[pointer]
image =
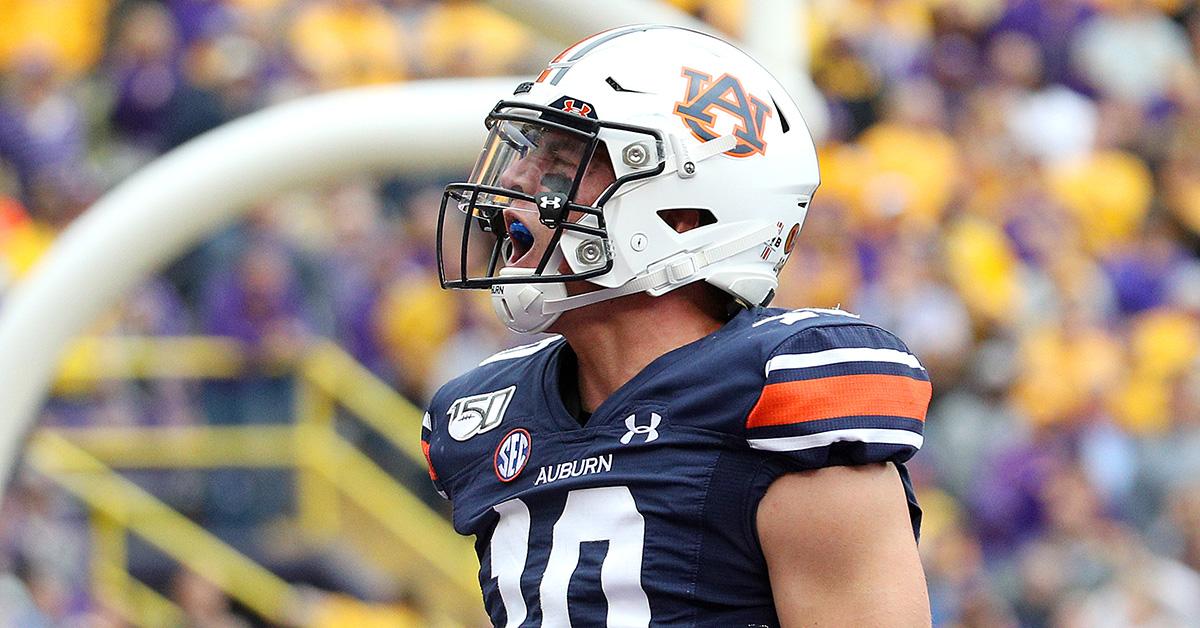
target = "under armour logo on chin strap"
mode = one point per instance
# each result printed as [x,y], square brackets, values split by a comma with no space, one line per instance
[546,202]
[650,431]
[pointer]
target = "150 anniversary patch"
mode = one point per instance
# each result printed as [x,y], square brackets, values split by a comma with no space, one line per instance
[477,414]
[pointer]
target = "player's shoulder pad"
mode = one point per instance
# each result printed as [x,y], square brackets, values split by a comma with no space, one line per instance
[477,402]
[837,390]
[783,332]
[501,369]
[771,326]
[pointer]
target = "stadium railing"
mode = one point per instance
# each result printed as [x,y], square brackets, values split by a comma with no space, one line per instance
[331,475]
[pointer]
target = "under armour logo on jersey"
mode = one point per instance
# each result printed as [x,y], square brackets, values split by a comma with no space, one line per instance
[649,431]
[706,97]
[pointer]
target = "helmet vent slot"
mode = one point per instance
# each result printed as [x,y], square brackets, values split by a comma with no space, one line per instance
[612,82]
[704,217]
[782,120]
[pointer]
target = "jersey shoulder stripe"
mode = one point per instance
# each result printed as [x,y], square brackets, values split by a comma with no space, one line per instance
[803,317]
[840,396]
[840,423]
[521,351]
[882,436]
[426,433]
[789,361]
[841,382]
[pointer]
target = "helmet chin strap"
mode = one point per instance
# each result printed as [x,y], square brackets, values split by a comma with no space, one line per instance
[521,307]
[531,308]
[684,156]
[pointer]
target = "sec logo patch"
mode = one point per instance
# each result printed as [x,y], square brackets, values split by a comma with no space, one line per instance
[512,454]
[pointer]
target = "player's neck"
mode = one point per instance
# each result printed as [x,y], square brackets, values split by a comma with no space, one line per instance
[615,340]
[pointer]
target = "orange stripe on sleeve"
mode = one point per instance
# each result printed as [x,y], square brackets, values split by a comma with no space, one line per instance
[785,403]
[425,448]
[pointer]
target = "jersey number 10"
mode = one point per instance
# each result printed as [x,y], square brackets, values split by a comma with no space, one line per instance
[590,514]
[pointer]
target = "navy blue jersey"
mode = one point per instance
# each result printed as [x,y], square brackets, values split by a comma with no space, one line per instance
[645,515]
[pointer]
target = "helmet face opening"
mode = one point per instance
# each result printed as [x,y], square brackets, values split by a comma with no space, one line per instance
[542,172]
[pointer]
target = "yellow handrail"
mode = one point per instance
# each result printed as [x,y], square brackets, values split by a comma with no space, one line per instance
[317,501]
[185,447]
[129,505]
[325,364]
[357,389]
[140,357]
[373,490]
[112,584]
[343,467]
[326,465]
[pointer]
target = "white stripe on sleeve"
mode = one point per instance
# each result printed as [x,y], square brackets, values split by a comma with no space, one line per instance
[840,356]
[521,351]
[866,435]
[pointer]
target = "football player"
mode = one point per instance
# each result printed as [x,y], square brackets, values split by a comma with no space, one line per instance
[676,454]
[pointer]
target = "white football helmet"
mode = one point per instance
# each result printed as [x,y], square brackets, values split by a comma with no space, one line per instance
[580,164]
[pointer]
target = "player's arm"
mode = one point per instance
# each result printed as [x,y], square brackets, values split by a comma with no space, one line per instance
[840,549]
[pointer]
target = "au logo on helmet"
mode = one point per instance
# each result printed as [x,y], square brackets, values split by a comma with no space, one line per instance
[706,98]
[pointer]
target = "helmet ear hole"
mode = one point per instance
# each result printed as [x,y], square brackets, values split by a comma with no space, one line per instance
[686,219]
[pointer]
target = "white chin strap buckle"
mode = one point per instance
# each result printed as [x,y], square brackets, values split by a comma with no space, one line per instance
[521,306]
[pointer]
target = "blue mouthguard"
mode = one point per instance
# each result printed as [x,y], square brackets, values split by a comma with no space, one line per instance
[520,234]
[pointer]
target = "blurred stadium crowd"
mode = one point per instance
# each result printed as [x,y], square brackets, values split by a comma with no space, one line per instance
[1011,186]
